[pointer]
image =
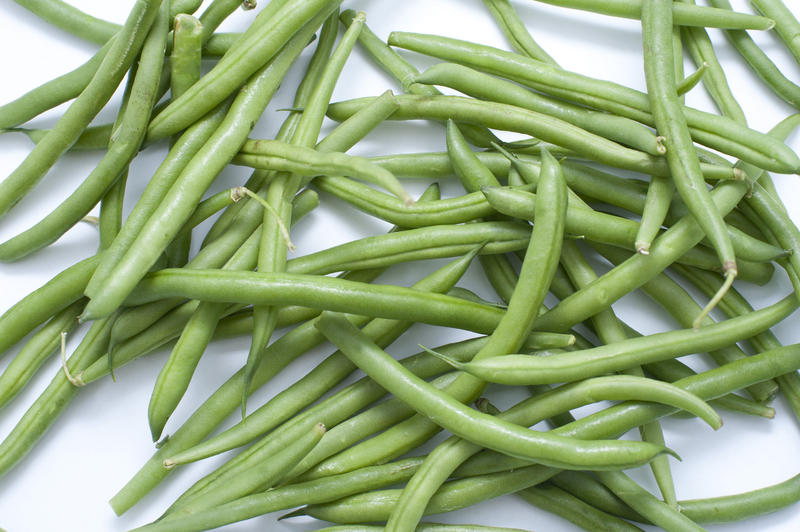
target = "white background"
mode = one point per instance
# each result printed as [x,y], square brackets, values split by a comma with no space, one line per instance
[103,437]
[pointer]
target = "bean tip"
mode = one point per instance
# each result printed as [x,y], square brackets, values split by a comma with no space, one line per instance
[642,247]
[168,464]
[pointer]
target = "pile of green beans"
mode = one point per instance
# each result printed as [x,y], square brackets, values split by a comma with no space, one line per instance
[568,257]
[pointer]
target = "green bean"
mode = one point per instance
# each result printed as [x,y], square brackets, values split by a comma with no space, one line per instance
[450,413]
[683,15]
[681,306]
[658,512]
[786,24]
[38,306]
[400,69]
[610,229]
[52,93]
[72,20]
[234,68]
[453,452]
[742,505]
[690,81]
[48,406]
[36,351]
[360,426]
[702,51]
[673,370]
[733,304]
[414,244]
[125,143]
[574,510]
[512,118]
[514,30]
[616,420]
[220,404]
[486,87]
[134,321]
[289,496]
[586,487]
[519,369]
[760,63]
[110,72]
[185,59]
[359,395]
[447,211]
[355,128]
[185,70]
[424,527]
[654,211]
[264,476]
[184,194]
[671,123]
[111,206]
[280,156]
[174,378]
[454,495]
[538,268]
[711,130]
[273,242]
[335,368]
[92,138]
[609,329]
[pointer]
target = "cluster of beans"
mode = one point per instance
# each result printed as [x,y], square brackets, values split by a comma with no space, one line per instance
[555,195]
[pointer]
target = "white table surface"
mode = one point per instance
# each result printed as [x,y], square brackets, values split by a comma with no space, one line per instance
[102,438]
